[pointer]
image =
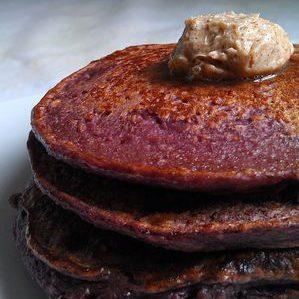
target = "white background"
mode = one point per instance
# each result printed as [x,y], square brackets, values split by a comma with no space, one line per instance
[43,41]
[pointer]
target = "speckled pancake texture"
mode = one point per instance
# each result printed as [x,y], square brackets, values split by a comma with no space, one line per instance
[180,220]
[79,261]
[125,116]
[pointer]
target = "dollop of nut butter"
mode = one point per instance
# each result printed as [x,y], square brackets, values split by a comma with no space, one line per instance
[229,46]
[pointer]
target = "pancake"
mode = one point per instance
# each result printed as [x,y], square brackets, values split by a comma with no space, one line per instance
[124,116]
[79,257]
[170,218]
[61,286]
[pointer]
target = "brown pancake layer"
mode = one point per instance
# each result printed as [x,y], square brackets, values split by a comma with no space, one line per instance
[61,286]
[125,116]
[170,218]
[76,249]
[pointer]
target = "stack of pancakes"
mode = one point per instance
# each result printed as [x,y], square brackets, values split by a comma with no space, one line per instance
[149,186]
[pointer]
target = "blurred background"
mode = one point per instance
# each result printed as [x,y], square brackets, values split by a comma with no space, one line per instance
[43,41]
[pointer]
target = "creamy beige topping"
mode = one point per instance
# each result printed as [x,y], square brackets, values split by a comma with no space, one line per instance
[230,45]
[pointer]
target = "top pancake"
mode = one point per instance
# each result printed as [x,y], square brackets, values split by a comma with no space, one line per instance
[125,116]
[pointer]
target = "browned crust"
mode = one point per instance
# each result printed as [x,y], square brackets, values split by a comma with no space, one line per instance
[57,285]
[123,116]
[81,251]
[178,220]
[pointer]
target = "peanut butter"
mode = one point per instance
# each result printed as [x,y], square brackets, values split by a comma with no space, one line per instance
[230,45]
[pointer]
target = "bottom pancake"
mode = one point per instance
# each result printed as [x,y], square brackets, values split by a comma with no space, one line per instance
[61,286]
[72,259]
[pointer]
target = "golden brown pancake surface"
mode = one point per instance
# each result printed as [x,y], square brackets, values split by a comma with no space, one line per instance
[125,116]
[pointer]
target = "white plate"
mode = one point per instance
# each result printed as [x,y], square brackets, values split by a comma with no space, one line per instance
[15,282]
